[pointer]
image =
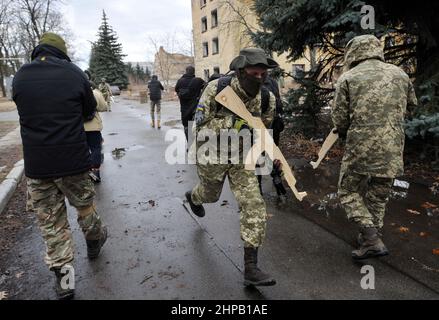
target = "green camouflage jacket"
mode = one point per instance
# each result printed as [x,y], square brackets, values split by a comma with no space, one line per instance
[217,119]
[369,108]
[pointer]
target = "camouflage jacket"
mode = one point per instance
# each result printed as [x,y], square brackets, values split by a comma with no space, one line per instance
[369,108]
[217,118]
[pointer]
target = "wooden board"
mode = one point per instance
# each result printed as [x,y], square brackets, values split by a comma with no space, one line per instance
[229,99]
[327,145]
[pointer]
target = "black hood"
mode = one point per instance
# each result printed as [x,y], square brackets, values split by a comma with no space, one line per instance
[45,49]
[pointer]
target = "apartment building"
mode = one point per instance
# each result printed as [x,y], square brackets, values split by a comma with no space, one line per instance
[220,31]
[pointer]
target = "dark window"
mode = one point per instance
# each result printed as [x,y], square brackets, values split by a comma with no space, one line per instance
[205,49]
[203,24]
[203,3]
[215,46]
[214,18]
[216,70]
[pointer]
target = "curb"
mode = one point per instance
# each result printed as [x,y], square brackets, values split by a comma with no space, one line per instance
[9,185]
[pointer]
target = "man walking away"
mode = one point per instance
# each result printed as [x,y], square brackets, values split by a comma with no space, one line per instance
[182,90]
[155,94]
[369,107]
[53,98]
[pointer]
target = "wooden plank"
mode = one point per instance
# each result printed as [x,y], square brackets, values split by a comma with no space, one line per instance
[327,145]
[264,143]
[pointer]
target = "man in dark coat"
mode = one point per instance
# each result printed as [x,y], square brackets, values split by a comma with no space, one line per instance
[186,98]
[54,98]
[155,94]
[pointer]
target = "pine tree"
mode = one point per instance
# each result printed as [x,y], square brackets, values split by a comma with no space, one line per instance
[106,57]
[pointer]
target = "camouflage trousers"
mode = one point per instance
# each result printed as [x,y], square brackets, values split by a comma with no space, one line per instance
[156,106]
[47,199]
[365,198]
[245,187]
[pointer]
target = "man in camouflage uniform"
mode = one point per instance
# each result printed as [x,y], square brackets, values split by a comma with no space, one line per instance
[369,107]
[54,98]
[105,89]
[250,71]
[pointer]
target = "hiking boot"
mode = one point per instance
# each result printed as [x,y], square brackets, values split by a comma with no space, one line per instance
[62,293]
[253,276]
[94,246]
[371,245]
[197,210]
[360,238]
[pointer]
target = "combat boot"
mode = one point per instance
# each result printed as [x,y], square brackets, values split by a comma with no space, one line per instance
[153,124]
[360,238]
[159,125]
[61,293]
[94,246]
[197,210]
[371,245]
[253,276]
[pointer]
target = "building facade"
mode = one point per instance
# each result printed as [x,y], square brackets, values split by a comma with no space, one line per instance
[220,30]
[169,67]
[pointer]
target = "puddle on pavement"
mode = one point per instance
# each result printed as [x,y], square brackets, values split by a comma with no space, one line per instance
[119,153]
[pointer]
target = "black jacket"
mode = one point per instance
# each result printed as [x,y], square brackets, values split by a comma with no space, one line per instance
[182,89]
[155,90]
[53,97]
[195,90]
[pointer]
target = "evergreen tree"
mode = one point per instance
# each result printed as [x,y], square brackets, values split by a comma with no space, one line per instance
[106,57]
[296,27]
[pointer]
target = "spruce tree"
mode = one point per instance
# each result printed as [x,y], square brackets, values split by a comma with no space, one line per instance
[106,57]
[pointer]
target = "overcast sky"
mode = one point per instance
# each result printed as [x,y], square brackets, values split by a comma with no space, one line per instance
[133,20]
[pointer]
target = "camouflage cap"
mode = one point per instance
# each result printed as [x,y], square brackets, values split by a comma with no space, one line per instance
[252,57]
[362,48]
[54,40]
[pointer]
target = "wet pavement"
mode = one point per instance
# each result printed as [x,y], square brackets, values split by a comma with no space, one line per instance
[157,250]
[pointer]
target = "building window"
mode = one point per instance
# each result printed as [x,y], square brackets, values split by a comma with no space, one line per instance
[204,24]
[214,18]
[206,74]
[205,49]
[203,3]
[298,70]
[216,70]
[215,46]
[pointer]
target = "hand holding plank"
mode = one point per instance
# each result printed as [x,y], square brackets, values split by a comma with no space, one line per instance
[229,99]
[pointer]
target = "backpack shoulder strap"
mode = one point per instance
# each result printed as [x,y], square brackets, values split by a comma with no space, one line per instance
[223,83]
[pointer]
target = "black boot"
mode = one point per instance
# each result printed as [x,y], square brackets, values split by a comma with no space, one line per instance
[62,294]
[197,210]
[253,276]
[94,246]
[371,245]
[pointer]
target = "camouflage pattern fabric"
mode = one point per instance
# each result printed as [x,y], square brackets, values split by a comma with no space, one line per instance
[365,198]
[156,106]
[245,187]
[47,199]
[217,119]
[369,108]
[243,183]
[105,89]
